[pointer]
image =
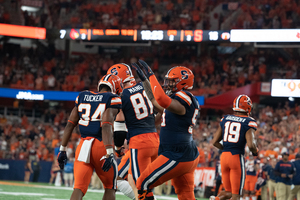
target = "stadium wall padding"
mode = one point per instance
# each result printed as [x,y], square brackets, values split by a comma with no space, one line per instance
[15,170]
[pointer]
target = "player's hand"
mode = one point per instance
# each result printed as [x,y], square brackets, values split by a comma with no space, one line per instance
[283,175]
[119,152]
[290,176]
[255,154]
[139,71]
[147,68]
[109,160]
[62,159]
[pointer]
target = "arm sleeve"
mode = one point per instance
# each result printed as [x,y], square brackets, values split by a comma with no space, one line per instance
[159,94]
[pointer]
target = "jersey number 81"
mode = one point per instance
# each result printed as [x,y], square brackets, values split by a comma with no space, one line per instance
[139,105]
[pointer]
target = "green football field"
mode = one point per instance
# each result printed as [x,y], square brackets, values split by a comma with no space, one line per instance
[19,191]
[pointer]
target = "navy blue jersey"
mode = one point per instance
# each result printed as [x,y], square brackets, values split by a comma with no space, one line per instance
[91,106]
[176,139]
[234,130]
[271,174]
[250,167]
[285,168]
[138,111]
[296,178]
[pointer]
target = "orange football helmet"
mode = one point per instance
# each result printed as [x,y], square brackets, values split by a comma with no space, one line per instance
[123,71]
[178,78]
[113,82]
[242,103]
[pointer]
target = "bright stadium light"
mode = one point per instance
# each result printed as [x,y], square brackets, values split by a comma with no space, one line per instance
[291,99]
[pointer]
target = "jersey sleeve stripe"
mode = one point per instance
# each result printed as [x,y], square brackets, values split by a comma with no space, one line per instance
[185,97]
[115,101]
[76,101]
[253,124]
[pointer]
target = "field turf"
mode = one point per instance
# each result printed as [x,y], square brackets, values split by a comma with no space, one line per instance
[40,191]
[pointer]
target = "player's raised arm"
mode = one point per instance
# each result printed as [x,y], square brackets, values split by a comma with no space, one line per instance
[162,99]
[217,138]
[147,88]
[251,142]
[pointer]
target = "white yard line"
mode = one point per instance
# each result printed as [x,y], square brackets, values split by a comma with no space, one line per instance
[69,188]
[25,194]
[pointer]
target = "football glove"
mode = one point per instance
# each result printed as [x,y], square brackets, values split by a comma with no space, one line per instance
[62,159]
[139,71]
[147,68]
[108,162]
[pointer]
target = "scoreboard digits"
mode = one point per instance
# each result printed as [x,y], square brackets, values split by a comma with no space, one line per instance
[144,35]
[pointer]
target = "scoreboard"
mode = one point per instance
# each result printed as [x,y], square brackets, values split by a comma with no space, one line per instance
[132,35]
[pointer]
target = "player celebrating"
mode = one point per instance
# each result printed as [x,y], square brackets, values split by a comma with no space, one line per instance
[235,131]
[178,154]
[137,111]
[94,112]
[252,166]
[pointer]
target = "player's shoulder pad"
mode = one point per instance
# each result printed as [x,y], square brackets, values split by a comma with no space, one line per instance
[81,94]
[130,90]
[116,101]
[252,123]
[183,95]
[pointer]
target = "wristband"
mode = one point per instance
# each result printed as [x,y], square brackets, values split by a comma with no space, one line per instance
[72,122]
[62,148]
[106,123]
[120,126]
[109,151]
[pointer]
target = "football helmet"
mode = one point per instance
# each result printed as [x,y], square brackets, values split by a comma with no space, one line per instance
[178,78]
[242,103]
[123,71]
[113,82]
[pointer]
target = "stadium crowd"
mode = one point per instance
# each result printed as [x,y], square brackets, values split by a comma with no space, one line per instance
[214,74]
[160,14]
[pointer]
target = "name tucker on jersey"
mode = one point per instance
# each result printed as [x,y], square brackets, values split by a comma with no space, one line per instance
[93,97]
[234,118]
[135,88]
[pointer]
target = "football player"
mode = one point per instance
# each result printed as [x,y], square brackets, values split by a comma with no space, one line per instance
[178,154]
[94,112]
[137,112]
[252,166]
[235,131]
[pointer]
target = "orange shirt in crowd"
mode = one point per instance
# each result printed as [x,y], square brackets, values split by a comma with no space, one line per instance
[292,156]
[271,154]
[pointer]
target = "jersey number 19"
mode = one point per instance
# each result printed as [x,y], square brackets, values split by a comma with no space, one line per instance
[232,132]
